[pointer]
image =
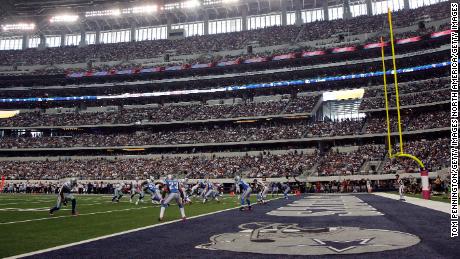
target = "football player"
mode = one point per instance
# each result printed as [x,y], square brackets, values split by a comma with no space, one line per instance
[153,189]
[400,181]
[136,190]
[199,188]
[173,186]
[185,191]
[245,190]
[286,189]
[118,192]
[263,190]
[210,191]
[275,189]
[65,194]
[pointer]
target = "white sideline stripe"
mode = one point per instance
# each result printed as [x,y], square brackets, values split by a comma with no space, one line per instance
[22,210]
[119,233]
[434,205]
[68,216]
[50,201]
[48,208]
[25,202]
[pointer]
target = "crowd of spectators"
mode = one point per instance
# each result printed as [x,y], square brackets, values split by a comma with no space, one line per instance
[263,164]
[435,154]
[165,113]
[242,132]
[378,124]
[52,187]
[410,121]
[203,134]
[440,187]
[416,98]
[369,24]
[228,41]
[348,163]
[209,58]
[329,128]
[409,87]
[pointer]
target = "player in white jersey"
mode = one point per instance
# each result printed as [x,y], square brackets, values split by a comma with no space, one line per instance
[400,181]
[220,189]
[185,191]
[368,186]
[210,191]
[262,186]
[136,190]
[195,188]
[275,189]
[174,186]
[64,195]
[118,192]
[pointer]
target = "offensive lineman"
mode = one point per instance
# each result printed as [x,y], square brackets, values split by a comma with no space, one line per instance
[65,195]
[245,190]
[173,185]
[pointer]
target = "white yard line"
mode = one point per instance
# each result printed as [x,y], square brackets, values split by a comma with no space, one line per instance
[47,208]
[68,216]
[25,202]
[434,205]
[54,201]
[120,233]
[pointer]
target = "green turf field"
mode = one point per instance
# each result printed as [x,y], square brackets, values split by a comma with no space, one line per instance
[442,198]
[26,225]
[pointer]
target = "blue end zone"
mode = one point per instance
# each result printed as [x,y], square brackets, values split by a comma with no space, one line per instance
[179,240]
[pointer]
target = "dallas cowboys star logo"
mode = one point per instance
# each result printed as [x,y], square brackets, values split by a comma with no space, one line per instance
[342,246]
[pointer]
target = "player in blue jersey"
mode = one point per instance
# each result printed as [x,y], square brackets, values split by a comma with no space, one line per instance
[286,189]
[64,195]
[173,185]
[245,190]
[153,189]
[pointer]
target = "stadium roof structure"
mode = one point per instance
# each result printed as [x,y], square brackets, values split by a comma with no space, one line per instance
[39,12]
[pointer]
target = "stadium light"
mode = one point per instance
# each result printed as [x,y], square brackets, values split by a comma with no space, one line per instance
[18,27]
[109,12]
[190,4]
[64,18]
[171,6]
[216,2]
[146,9]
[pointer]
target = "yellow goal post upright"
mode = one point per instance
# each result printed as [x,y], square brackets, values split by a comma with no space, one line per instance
[401,153]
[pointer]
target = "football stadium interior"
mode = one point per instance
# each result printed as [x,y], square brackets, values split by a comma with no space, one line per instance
[254,128]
